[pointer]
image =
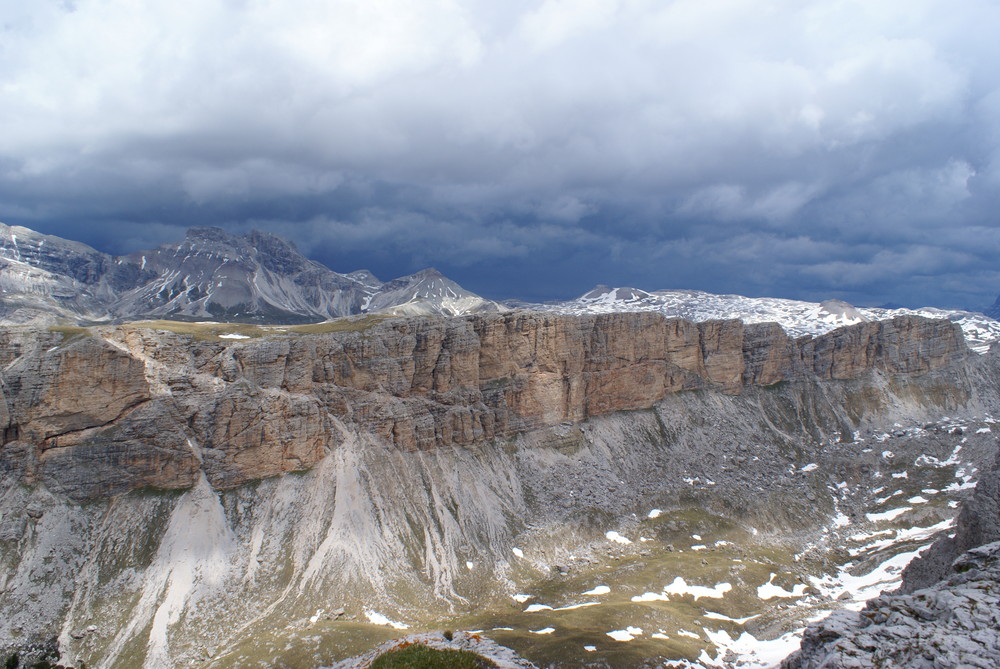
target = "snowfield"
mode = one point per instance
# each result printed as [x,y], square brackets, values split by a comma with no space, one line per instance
[796,317]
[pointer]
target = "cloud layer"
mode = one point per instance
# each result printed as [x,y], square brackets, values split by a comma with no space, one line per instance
[802,149]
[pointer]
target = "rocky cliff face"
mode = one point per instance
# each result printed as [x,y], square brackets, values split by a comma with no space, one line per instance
[114,409]
[157,482]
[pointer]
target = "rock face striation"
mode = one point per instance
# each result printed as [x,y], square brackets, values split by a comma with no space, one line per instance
[106,411]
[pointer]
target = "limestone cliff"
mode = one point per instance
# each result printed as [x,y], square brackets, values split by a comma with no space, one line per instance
[434,468]
[104,411]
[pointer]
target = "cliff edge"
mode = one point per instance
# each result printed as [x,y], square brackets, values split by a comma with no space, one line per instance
[102,411]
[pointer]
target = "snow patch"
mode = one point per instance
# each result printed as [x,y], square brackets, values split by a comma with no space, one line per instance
[599,590]
[712,615]
[769,590]
[753,653]
[534,608]
[680,587]
[376,618]
[626,634]
[617,538]
[891,514]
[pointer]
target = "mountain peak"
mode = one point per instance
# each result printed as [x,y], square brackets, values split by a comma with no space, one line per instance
[210,275]
[623,294]
[208,233]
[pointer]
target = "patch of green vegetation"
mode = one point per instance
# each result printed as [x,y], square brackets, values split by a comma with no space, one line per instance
[347,324]
[202,331]
[419,656]
[216,331]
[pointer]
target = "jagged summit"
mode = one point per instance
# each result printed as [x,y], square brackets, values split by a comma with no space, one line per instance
[258,276]
[428,292]
[209,275]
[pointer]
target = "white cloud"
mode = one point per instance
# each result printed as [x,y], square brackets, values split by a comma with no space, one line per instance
[851,122]
[556,21]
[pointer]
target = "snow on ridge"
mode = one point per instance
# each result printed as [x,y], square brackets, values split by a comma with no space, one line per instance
[796,317]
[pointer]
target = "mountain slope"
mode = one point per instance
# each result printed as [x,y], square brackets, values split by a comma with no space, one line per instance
[46,277]
[258,277]
[209,275]
[426,293]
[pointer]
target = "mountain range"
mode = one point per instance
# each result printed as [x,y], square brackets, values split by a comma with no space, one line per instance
[212,275]
[209,275]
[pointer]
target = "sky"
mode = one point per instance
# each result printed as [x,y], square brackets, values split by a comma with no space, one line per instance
[527,149]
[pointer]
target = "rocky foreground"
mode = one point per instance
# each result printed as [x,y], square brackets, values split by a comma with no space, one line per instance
[946,613]
[954,623]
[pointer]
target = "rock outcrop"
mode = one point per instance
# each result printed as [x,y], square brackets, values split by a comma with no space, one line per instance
[978,524]
[100,412]
[953,623]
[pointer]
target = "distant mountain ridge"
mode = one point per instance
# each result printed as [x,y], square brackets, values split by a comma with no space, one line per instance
[798,318]
[209,275]
[212,275]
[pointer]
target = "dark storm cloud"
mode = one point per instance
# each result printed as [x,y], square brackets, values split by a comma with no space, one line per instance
[802,149]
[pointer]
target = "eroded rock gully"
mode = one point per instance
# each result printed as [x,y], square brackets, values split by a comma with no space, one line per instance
[118,408]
